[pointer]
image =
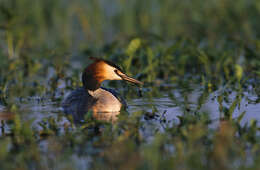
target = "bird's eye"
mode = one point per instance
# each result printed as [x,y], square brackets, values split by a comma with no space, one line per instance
[117,72]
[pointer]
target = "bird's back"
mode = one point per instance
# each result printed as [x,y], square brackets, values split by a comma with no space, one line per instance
[78,103]
[102,102]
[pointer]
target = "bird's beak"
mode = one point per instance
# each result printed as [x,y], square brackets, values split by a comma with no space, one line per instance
[130,79]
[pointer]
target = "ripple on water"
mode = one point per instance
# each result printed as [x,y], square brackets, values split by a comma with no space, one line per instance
[211,105]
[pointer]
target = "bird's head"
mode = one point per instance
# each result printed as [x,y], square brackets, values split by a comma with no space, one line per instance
[101,70]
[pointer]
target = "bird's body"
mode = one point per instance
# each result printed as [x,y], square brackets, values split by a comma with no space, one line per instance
[103,102]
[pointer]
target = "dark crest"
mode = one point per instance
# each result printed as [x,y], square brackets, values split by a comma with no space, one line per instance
[106,61]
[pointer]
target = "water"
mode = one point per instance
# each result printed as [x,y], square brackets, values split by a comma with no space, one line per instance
[211,105]
[158,113]
[37,109]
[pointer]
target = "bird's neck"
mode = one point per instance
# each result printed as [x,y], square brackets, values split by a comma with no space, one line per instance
[91,82]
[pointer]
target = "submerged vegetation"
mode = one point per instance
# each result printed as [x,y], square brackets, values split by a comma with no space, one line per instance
[198,109]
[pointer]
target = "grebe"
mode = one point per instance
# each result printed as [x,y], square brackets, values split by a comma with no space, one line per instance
[104,103]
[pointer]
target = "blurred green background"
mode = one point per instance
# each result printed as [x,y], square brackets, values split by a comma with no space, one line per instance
[71,25]
[211,37]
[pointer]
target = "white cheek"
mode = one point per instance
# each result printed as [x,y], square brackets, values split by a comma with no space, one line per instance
[116,77]
[111,73]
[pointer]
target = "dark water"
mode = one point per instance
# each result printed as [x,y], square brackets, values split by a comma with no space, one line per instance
[37,109]
[211,105]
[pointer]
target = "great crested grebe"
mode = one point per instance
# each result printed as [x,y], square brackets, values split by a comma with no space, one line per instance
[104,103]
